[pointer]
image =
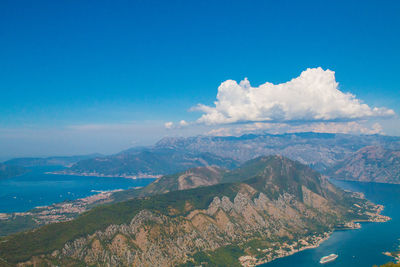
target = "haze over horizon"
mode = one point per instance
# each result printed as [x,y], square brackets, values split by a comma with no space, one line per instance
[102,77]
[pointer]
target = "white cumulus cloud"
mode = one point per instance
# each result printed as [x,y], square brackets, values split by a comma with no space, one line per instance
[168,125]
[313,96]
[183,123]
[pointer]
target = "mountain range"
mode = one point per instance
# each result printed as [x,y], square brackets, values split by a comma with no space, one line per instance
[170,155]
[268,207]
[369,164]
[318,150]
[66,161]
[148,162]
[350,157]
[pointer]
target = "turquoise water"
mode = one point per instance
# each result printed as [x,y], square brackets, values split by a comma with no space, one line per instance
[361,247]
[38,189]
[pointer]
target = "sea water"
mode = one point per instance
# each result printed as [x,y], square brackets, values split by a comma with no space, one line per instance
[360,247]
[37,188]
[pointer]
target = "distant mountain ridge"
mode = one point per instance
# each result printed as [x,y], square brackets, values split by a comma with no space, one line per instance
[269,207]
[65,161]
[369,164]
[8,171]
[321,151]
[148,162]
[318,150]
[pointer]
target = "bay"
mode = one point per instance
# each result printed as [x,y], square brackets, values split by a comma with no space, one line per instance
[36,188]
[360,247]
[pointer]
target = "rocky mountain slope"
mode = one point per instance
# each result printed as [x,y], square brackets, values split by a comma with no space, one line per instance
[148,162]
[269,207]
[192,178]
[370,164]
[8,171]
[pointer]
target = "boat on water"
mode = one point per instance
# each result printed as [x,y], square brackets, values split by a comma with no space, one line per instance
[328,258]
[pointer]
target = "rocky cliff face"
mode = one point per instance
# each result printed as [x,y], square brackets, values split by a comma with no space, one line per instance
[270,203]
[370,164]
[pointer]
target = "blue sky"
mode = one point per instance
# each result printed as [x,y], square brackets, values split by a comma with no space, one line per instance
[99,76]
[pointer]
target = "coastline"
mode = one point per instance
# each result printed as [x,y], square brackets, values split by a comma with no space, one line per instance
[395,255]
[317,241]
[95,174]
[66,207]
[58,212]
[307,243]
[314,241]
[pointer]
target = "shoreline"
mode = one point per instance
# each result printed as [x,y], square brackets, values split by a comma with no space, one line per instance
[395,255]
[90,199]
[326,236]
[59,212]
[95,174]
[251,261]
[315,241]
